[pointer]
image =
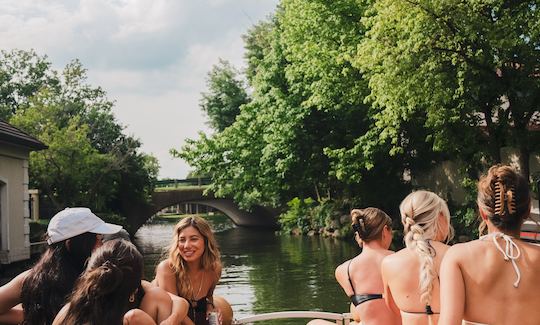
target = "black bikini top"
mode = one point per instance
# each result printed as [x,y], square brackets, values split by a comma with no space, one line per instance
[428,311]
[358,299]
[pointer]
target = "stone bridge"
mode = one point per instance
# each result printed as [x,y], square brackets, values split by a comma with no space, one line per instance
[258,217]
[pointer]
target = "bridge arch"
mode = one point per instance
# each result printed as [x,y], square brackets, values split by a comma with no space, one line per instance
[258,217]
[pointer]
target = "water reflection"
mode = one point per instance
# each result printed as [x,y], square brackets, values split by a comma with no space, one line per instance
[263,272]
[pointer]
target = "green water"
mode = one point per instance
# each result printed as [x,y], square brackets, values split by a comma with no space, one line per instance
[264,272]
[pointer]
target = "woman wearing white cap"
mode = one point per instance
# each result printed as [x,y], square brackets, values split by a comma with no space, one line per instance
[72,235]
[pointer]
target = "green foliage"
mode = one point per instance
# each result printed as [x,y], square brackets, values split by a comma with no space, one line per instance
[322,217]
[298,215]
[226,93]
[464,71]
[465,218]
[22,74]
[90,162]
[307,101]
[351,100]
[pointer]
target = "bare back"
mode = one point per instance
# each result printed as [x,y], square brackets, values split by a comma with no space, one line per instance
[364,274]
[401,272]
[490,296]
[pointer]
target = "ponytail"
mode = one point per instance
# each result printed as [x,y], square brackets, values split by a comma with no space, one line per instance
[101,296]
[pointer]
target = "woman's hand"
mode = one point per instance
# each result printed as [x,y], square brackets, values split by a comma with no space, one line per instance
[217,313]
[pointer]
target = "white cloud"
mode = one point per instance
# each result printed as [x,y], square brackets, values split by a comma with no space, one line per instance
[152,57]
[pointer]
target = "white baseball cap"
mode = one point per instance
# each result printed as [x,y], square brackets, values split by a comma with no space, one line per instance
[72,222]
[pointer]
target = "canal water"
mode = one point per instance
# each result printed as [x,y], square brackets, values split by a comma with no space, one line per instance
[262,271]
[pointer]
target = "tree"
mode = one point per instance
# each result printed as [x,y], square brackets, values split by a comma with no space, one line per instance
[22,74]
[70,172]
[307,103]
[467,72]
[226,93]
[90,161]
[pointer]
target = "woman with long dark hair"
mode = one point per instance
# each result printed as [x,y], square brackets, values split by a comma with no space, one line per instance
[109,291]
[72,236]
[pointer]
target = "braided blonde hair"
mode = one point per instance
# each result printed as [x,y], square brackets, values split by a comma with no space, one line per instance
[420,213]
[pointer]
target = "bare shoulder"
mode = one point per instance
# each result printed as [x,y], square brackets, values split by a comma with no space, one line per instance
[388,252]
[59,319]
[164,268]
[463,251]
[341,270]
[155,293]
[395,258]
[19,279]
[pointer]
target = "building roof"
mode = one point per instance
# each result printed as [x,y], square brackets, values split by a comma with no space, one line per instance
[12,135]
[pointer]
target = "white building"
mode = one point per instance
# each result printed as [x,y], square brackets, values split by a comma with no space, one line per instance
[15,147]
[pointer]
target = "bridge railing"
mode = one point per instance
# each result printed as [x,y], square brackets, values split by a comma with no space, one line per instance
[175,183]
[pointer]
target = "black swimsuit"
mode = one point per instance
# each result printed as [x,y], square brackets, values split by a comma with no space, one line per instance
[361,298]
[428,311]
[197,311]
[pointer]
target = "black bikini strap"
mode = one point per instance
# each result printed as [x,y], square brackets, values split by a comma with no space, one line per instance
[349,276]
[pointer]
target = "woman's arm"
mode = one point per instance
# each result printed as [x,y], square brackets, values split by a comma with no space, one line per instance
[179,307]
[166,278]
[343,278]
[452,289]
[10,297]
[386,275]
[59,319]
[13,316]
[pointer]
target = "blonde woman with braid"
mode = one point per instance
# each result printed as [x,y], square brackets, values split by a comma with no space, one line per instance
[193,270]
[411,276]
[495,279]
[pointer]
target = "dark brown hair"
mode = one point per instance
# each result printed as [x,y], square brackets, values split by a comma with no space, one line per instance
[51,280]
[114,272]
[504,197]
[369,223]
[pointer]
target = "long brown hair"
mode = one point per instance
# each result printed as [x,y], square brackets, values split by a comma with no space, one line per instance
[210,260]
[504,197]
[113,274]
[51,280]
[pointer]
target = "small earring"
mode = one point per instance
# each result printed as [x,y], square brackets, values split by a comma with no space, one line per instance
[132,298]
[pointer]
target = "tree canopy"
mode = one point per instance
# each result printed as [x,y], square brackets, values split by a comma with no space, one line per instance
[351,100]
[90,162]
[226,93]
[468,72]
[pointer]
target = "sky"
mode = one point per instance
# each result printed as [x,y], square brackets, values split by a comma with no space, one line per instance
[151,56]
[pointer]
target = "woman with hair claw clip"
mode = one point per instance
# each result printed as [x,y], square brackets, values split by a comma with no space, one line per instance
[495,279]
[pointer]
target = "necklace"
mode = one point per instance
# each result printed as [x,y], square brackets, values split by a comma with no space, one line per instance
[193,295]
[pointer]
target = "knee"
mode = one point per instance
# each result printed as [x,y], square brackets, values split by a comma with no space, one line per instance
[225,309]
[136,316]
